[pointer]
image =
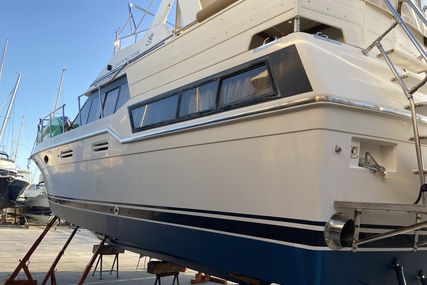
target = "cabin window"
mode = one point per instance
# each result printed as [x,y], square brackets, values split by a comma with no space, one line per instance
[247,85]
[238,89]
[113,96]
[95,110]
[137,116]
[155,112]
[199,99]
[84,113]
[109,102]
[123,96]
[244,85]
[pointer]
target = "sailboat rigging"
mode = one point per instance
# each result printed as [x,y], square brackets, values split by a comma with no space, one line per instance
[12,184]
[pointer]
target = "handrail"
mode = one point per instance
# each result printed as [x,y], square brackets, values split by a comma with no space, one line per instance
[408,92]
[135,27]
[399,21]
[412,38]
[44,130]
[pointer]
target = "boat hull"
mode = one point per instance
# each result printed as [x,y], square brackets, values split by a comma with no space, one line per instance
[203,217]
[248,191]
[11,187]
[224,253]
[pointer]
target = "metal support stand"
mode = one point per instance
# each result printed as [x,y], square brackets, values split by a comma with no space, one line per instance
[51,273]
[107,250]
[159,276]
[89,266]
[422,278]
[399,273]
[23,264]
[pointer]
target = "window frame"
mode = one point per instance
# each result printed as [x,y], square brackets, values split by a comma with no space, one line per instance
[218,78]
[101,94]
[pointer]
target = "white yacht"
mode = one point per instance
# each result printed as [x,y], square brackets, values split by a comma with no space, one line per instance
[260,142]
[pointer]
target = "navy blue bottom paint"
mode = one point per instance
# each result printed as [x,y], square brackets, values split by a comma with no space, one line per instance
[220,254]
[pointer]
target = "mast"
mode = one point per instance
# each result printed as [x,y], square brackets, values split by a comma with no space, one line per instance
[59,89]
[19,139]
[2,57]
[10,105]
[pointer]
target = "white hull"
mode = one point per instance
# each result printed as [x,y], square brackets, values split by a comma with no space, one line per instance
[259,181]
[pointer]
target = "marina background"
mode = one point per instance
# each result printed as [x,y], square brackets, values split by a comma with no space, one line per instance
[44,37]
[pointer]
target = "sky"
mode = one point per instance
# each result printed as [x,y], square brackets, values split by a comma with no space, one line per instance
[44,37]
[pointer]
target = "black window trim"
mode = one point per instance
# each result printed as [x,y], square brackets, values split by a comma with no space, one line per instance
[219,77]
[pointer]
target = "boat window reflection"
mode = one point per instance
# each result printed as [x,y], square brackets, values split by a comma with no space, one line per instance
[112,100]
[137,115]
[198,99]
[244,86]
[160,111]
[95,110]
[84,113]
[123,96]
[240,88]
[109,102]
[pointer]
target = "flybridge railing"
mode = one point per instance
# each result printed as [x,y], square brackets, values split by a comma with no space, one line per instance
[122,41]
[53,124]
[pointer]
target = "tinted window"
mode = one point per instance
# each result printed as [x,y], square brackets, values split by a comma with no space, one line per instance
[114,95]
[198,99]
[84,113]
[123,96]
[137,115]
[109,100]
[95,110]
[160,111]
[246,85]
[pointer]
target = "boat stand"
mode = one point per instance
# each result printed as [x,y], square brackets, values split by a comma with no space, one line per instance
[400,276]
[51,273]
[92,260]
[23,264]
[107,250]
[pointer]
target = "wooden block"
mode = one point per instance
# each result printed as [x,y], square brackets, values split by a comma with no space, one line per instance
[163,267]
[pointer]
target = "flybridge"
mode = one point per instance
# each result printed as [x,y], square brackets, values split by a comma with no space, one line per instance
[150,30]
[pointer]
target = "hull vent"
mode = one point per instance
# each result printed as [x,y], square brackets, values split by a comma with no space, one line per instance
[66,153]
[100,146]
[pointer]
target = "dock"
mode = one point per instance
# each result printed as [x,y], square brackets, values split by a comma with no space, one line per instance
[16,240]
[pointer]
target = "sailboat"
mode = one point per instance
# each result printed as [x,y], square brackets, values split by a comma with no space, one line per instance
[34,204]
[12,181]
[260,142]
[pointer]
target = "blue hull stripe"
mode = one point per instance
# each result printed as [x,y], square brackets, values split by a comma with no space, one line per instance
[220,254]
[259,229]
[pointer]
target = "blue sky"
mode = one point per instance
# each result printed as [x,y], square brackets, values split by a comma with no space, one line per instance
[44,37]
